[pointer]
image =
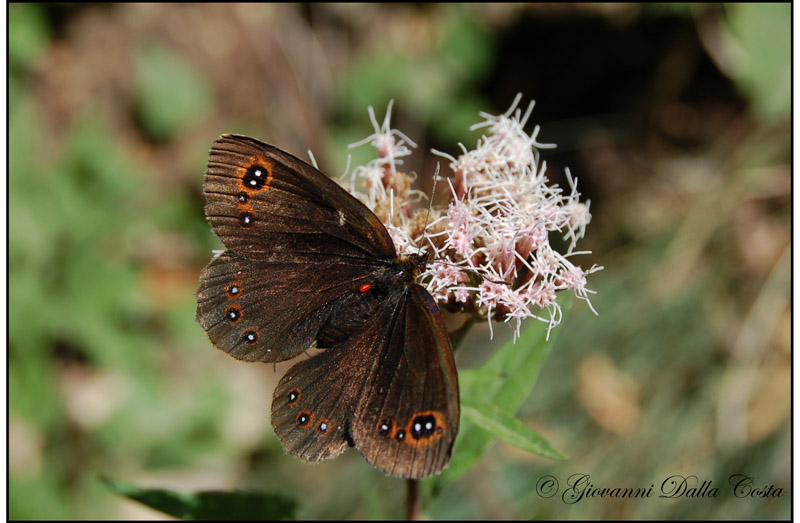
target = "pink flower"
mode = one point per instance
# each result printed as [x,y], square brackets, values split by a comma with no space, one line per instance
[494,232]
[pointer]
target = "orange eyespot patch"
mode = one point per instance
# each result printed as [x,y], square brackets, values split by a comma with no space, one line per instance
[423,429]
[255,176]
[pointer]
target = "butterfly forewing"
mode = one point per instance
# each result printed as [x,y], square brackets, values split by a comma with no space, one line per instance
[268,205]
[297,244]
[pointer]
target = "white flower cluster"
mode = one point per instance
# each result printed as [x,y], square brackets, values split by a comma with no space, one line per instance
[491,246]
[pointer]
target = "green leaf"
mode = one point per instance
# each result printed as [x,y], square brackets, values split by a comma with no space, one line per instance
[211,505]
[509,429]
[502,382]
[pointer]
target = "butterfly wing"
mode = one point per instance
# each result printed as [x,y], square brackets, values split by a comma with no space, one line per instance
[391,390]
[297,243]
[408,415]
[267,205]
[272,311]
[299,250]
[314,404]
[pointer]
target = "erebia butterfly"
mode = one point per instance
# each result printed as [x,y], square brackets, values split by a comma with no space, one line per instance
[308,265]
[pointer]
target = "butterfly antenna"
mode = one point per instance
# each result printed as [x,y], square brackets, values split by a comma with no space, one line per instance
[430,203]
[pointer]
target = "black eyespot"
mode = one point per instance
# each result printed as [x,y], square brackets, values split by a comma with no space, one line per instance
[243,197]
[401,435]
[423,426]
[250,336]
[233,313]
[233,290]
[247,219]
[305,418]
[293,395]
[255,177]
[385,428]
[323,427]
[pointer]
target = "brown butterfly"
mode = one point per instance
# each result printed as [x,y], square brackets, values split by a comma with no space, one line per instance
[308,265]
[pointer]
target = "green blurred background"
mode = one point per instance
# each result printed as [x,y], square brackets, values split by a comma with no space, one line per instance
[675,119]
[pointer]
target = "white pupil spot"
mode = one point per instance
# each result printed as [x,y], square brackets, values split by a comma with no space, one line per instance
[417,427]
[428,426]
[234,290]
[246,219]
[251,336]
[323,427]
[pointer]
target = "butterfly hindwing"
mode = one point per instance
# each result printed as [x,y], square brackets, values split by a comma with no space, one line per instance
[327,388]
[313,406]
[408,414]
[272,311]
[403,417]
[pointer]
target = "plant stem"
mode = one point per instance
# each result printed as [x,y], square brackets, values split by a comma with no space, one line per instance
[412,500]
[457,336]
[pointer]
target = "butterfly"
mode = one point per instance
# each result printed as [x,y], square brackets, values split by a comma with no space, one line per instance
[308,265]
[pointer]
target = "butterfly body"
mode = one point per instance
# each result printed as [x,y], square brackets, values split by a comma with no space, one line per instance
[307,265]
[353,309]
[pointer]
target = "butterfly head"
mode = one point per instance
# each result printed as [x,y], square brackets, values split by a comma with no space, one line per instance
[414,264]
[398,275]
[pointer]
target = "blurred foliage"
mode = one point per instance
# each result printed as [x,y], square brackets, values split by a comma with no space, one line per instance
[213,506]
[438,87]
[758,56]
[172,95]
[677,128]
